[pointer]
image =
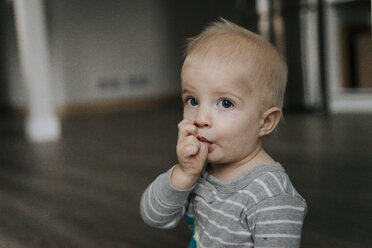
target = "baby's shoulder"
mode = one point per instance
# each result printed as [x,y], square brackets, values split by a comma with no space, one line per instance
[274,194]
[269,185]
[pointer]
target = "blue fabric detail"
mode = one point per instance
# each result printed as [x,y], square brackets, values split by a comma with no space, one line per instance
[191,223]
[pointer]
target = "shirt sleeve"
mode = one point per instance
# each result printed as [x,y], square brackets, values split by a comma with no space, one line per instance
[277,221]
[162,205]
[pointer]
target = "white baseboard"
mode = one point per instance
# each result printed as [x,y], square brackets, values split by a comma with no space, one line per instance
[42,128]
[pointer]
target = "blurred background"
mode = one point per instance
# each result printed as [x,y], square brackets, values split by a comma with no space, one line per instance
[89,106]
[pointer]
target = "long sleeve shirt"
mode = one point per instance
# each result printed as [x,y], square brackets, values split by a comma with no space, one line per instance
[259,209]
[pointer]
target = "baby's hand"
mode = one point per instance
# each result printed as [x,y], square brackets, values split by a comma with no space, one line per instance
[191,155]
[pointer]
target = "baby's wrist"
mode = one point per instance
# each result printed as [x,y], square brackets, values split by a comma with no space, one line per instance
[182,180]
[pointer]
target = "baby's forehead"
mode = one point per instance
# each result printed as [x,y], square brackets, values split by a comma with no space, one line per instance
[242,72]
[217,76]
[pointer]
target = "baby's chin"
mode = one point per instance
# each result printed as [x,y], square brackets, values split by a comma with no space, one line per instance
[212,160]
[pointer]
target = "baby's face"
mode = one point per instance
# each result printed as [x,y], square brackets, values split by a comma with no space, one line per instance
[227,114]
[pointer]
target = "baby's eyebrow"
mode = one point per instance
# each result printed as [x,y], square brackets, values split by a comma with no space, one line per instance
[228,93]
[185,91]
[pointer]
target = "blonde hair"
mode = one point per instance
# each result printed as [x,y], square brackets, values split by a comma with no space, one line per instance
[231,44]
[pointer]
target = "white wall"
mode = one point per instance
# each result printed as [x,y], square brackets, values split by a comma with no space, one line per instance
[15,87]
[103,51]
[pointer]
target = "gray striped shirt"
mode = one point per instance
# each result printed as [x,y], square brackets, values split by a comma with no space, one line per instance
[259,209]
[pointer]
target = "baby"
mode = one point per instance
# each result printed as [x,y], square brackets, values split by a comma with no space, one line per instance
[233,193]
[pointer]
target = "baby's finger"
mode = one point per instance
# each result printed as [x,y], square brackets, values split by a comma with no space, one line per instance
[186,121]
[188,147]
[190,150]
[190,140]
[203,152]
[186,128]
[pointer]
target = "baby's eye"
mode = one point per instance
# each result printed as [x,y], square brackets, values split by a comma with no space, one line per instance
[192,101]
[225,104]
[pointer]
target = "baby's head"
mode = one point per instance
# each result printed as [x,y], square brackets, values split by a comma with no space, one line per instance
[233,83]
[247,57]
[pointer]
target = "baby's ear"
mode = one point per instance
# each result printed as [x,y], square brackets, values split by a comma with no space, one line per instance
[270,120]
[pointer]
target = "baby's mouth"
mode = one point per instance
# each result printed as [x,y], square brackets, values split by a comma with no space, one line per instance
[209,144]
[202,139]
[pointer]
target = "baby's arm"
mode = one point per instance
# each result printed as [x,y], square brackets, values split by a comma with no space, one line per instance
[277,222]
[162,205]
[164,202]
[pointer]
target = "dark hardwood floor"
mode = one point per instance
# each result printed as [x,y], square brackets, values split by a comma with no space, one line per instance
[84,190]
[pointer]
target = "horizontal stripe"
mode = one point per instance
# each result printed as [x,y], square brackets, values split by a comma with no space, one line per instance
[224,200]
[277,208]
[269,222]
[247,192]
[278,235]
[157,212]
[149,217]
[230,216]
[268,192]
[268,246]
[277,181]
[285,182]
[247,244]
[238,204]
[160,202]
[243,233]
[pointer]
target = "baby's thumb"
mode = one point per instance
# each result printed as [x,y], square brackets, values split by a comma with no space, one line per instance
[203,152]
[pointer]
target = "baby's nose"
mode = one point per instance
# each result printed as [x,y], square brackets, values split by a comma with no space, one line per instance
[202,119]
[201,124]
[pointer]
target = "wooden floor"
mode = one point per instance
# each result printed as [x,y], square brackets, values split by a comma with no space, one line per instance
[84,190]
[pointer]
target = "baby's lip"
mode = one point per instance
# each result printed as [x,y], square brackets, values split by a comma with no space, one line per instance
[202,139]
[209,144]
